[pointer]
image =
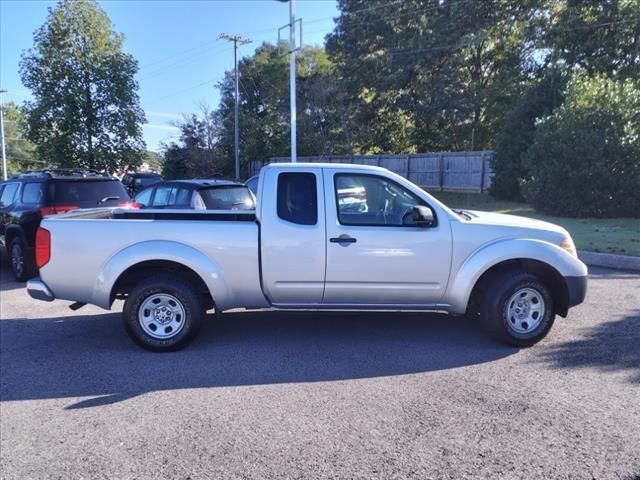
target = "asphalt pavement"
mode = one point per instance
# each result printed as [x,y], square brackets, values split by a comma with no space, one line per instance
[308,395]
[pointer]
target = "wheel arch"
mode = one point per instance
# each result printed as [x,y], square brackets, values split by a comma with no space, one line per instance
[546,273]
[131,277]
[548,261]
[12,232]
[158,256]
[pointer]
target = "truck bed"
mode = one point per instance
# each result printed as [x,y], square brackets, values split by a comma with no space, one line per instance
[221,246]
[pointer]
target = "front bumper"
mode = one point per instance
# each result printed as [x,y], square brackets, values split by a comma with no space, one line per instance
[577,288]
[38,289]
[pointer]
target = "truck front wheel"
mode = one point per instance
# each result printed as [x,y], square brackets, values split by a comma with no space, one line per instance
[163,313]
[517,309]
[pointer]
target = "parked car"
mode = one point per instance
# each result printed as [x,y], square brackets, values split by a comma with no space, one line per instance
[252,184]
[197,194]
[136,182]
[303,249]
[352,195]
[28,197]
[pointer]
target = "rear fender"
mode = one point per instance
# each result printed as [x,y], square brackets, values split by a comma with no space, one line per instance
[463,281]
[201,264]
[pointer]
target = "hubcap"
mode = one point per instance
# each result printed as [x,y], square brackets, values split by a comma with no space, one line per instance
[162,316]
[17,259]
[525,310]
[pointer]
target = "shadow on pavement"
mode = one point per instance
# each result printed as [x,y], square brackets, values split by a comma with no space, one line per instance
[91,356]
[611,346]
[7,282]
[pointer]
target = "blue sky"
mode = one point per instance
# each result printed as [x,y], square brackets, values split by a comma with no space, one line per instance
[174,42]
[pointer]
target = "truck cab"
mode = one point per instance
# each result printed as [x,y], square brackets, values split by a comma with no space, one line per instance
[356,234]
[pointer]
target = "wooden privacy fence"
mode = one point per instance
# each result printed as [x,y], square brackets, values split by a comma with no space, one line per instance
[446,171]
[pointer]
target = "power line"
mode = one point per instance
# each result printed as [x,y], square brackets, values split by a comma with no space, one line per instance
[177,54]
[182,63]
[180,91]
[398,52]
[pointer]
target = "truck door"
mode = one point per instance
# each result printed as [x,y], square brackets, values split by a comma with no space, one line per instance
[292,236]
[376,255]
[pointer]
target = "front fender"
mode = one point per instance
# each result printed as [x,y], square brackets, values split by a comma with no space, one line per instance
[201,264]
[481,260]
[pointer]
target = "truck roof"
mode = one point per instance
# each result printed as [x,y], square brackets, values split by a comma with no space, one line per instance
[351,166]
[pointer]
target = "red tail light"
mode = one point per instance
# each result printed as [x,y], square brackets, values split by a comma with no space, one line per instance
[57,209]
[133,205]
[43,247]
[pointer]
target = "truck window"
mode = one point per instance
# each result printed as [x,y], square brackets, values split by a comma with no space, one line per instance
[374,201]
[298,198]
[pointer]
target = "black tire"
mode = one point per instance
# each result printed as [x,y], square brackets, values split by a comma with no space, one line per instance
[178,291]
[22,261]
[497,309]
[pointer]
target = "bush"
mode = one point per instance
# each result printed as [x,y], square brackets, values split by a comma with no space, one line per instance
[517,134]
[585,157]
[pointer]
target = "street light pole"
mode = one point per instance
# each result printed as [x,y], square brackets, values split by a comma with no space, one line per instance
[4,153]
[292,77]
[293,50]
[236,39]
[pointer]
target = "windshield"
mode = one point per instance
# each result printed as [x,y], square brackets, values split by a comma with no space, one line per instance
[86,194]
[228,198]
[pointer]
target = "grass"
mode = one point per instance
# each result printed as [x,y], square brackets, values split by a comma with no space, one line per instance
[610,235]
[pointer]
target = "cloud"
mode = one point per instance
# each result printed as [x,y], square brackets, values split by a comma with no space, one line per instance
[169,115]
[160,126]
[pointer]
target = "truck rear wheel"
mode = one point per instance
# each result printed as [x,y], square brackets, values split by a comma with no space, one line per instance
[163,313]
[517,309]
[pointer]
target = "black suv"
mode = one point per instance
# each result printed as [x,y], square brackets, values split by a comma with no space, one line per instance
[26,198]
[135,182]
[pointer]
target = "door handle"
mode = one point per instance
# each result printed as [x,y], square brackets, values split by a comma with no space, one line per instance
[343,239]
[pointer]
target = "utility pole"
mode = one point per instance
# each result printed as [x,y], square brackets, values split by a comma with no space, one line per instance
[4,153]
[292,71]
[237,40]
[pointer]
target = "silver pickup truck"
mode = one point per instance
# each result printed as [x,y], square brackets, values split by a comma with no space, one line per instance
[323,236]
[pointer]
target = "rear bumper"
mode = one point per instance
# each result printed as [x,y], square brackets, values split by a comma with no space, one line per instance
[38,289]
[577,288]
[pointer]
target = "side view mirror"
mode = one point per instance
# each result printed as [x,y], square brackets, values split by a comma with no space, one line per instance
[423,216]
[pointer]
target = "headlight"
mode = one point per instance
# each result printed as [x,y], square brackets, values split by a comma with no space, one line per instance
[568,245]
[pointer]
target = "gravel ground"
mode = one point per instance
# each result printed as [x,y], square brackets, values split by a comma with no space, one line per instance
[303,395]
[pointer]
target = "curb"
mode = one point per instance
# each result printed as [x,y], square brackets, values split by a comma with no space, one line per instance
[609,260]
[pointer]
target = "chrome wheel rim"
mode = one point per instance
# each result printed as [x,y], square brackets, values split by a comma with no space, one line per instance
[525,310]
[17,259]
[162,316]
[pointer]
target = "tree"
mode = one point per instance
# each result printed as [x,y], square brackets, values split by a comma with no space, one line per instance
[596,36]
[509,168]
[20,151]
[197,153]
[585,158]
[430,75]
[265,109]
[153,159]
[85,111]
